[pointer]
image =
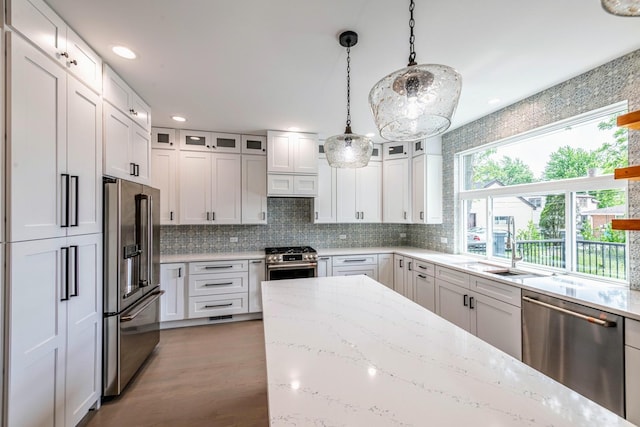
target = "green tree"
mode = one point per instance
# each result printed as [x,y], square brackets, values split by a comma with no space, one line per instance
[507,170]
[611,235]
[529,233]
[613,153]
[568,162]
[552,216]
[587,231]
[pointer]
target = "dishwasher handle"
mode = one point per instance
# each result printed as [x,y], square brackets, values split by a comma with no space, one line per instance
[601,322]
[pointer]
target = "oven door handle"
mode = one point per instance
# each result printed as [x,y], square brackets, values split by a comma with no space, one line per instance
[281,266]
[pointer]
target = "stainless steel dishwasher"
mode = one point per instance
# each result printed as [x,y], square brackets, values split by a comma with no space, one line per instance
[578,346]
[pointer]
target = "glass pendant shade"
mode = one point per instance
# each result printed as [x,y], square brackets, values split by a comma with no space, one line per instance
[348,150]
[415,102]
[622,7]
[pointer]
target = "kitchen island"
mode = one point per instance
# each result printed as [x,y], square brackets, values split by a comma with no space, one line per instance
[348,351]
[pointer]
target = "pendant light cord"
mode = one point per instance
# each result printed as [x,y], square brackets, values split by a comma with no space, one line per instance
[412,37]
[348,89]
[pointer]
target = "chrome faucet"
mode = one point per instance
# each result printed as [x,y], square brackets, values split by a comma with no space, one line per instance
[511,241]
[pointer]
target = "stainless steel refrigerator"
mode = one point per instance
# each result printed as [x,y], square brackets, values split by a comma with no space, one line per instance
[131,280]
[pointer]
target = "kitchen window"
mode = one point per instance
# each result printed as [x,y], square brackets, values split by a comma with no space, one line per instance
[556,184]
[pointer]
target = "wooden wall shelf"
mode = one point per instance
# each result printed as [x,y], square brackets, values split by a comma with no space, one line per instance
[625,224]
[630,120]
[631,173]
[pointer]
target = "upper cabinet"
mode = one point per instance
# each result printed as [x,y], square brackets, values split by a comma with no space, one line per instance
[426,189]
[35,20]
[252,144]
[292,164]
[163,138]
[215,142]
[396,186]
[118,93]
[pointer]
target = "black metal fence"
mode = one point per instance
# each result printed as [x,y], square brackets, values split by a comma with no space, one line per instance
[602,259]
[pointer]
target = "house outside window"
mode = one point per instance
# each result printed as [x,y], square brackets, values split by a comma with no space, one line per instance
[556,183]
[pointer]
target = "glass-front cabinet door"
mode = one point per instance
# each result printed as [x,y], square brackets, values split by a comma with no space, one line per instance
[225,142]
[195,140]
[252,144]
[396,150]
[163,138]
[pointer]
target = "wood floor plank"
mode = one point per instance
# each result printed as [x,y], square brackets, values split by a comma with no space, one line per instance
[202,376]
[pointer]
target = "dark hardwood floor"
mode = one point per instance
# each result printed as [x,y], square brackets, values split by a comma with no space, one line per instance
[201,376]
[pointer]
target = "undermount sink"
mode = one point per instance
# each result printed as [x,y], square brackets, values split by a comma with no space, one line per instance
[500,270]
[514,273]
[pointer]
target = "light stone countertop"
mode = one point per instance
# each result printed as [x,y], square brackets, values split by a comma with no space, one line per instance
[348,351]
[602,295]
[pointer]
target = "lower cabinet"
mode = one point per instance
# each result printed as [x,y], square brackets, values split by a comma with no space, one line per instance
[632,369]
[325,268]
[490,319]
[218,288]
[257,275]
[424,285]
[356,264]
[172,283]
[54,331]
[385,270]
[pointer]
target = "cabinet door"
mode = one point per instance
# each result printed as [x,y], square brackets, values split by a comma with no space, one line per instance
[118,129]
[418,170]
[325,268]
[164,168]
[279,185]
[226,188]
[367,270]
[226,142]
[83,62]
[39,23]
[140,112]
[346,195]
[194,140]
[141,154]
[398,274]
[254,189]
[37,143]
[305,151]
[280,152]
[433,189]
[305,185]
[84,157]
[325,210]
[424,290]
[84,328]
[195,187]
[632,382]
[36,333]
[452,303]
[163,138]
[116,91]
[252,144]
[256,277]
[172,283]
[385,269]
[498,323]
[409,283]
[368,192]
[395,191]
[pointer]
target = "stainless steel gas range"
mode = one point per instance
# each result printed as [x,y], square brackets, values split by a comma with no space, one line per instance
[291,262]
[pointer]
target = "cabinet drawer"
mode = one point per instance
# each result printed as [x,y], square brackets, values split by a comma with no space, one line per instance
[218,266]
[425,268]
[500,291]
[218,305]
[452,276]
[355,260]
[214,284]
[368,270]
[632,333]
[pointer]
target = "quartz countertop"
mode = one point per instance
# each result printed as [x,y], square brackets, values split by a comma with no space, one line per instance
[221,256]
[347,351]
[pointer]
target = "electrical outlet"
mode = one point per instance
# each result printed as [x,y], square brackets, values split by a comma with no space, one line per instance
[402,235]
[233,239]
[443,240]
[343,236]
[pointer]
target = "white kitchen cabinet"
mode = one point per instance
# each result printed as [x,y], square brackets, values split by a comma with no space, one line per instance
[163,138]
[632,369]
[257,274]
[210,188]
[119,94]
[54,330]
[452,303]
[325,210]
[424,290]
[358,196]
[292,185]
[252,144]
[127,152]
[426,189]
[396,191]
[36,21]
[399,274]
[218,288]
[195,140]
[356,264]
[292,152]
[58,118]
[226,142]
[164,176]
[385,269]
[396,150]
[254,189]
[172,283]
[325,266]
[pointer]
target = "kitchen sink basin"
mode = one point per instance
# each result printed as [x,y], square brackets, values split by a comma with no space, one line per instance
[501,270]
[514,273]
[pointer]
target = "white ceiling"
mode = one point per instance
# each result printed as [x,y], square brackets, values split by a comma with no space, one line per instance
[251,65]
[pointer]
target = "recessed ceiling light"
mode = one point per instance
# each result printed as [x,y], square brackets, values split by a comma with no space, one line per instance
[124,52]
[370,135]
[294,129]
[179,118]
[493,101]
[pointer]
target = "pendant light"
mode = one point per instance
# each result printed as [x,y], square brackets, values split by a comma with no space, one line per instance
[622,7]
[417,101]
[348,150]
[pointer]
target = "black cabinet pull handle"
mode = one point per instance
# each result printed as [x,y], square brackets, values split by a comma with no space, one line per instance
[65,268]
[465,300]
[76,272]
[471,300]
[409,266]
[132,169]
[401,265]
[218,305]
[77,201]
[171,216]
[208,214]
[422,276]
[179,271]
[136,169]
[207,285]
[66,186]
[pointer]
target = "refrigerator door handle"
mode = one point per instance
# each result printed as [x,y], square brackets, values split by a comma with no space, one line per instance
[141,239]
[149,239]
